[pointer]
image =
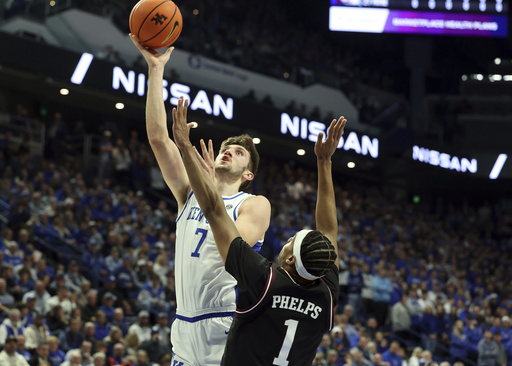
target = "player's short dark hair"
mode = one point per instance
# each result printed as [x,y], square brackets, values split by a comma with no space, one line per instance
[317,253]
[246,142]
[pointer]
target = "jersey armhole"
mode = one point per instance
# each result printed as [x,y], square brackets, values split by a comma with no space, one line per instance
[185,206]
[333,305]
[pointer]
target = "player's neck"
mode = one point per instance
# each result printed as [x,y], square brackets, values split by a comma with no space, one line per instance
[227,187]
[295,276]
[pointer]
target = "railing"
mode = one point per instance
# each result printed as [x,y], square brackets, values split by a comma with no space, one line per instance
[59,248]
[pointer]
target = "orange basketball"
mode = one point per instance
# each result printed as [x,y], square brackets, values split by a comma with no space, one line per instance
[156,23]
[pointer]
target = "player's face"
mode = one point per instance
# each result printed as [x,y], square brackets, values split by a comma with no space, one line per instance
[233,158]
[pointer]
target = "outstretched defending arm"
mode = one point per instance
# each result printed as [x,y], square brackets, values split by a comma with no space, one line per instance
[326,216]
[207,194]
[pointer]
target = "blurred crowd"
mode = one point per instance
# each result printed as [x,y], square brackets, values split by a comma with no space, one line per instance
[87,261]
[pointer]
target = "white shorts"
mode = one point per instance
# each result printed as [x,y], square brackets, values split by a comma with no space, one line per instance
[199,343]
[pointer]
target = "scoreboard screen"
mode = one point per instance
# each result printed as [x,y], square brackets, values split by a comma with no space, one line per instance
[484,18]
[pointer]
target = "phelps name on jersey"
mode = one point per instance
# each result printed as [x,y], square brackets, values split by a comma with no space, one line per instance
[203,287]
[277,321]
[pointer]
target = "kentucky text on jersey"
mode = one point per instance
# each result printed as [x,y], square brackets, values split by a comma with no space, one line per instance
[196,214]
[293,303]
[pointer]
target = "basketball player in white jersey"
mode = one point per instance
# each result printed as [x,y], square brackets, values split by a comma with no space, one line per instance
[205,292]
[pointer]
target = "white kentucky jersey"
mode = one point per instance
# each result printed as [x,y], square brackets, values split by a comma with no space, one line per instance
[203,287]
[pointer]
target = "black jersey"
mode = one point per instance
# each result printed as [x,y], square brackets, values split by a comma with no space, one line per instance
[277,321]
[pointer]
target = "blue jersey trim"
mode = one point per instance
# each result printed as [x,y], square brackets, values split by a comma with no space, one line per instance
[236,208]
[257,246]
[205,316]
[232,198]
[186,204]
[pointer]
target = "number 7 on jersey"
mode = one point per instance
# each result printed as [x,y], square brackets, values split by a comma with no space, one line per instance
[203,233]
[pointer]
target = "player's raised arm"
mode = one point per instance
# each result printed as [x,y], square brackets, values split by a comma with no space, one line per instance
[326,217]
[209,199]
[166,152]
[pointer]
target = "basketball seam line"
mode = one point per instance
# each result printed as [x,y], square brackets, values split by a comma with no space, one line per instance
[144,21]
[147,40]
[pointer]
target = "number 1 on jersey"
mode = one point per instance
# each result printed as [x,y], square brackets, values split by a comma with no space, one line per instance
[203,233]
[281,359]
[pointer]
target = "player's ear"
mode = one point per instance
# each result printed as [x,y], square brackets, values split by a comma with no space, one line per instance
[247,175]
[290,260]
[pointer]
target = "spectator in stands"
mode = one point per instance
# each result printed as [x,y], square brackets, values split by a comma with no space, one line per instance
[501,360]
[105,158]
[81,234]
[95,236]
[382,289]
[90,308]
[63,232]
[506,330]
[126,278]
[25,282]
[473,335]
[13,255]
[75,359]
[102,326]
[132,343]
[11,326]
[56,320]
[355,285]
[6,299]
[62,298]
[414,360]
[428,328]
[119,356]
[90,333]
[29,313]
[110,286]
[94,262]
[458,342]
[161,267]
[74,278]
[122,160]
[36,333]
[99,359]
[55,353]
[152,295]
[8,356]
[366,291]
[118,320]
[392,355]
[142,327]
[44,272]
[20,348]
[42,352]
[153,346]
[401,319]
[488,350]
[114,260]
[108,305]
[164,332]
[73,336]
[85,353]
[377,360]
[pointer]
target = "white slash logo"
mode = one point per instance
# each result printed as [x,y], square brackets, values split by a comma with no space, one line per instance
[81,68]
[498,165]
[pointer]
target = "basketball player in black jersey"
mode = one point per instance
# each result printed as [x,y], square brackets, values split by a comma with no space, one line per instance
[282,312]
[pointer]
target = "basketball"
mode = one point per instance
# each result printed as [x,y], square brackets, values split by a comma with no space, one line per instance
[156,23]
